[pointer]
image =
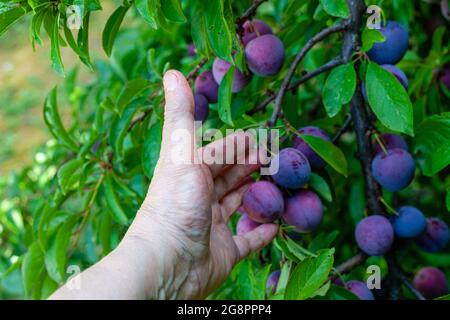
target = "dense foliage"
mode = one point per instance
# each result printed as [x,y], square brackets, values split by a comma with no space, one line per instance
[73,205]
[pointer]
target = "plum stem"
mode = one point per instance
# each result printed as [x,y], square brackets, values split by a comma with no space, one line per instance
[388,207]
[348,265]
[380,143]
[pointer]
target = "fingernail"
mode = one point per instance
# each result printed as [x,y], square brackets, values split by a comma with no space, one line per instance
[170,81]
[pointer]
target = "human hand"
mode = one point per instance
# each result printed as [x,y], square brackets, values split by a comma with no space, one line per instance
[190,204]
[179,245]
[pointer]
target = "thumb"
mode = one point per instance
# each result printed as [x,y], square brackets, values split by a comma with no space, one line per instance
[179,130]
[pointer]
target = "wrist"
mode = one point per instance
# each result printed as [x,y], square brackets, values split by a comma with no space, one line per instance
[162,266]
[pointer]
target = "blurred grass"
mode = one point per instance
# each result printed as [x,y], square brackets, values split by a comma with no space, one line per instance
[26,77]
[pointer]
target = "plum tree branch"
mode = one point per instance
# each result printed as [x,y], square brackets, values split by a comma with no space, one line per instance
[324,68]
[308,46]
[343,129]
[250,12]
[348,265]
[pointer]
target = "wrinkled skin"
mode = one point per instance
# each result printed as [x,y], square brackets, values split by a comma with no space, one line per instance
[374,235]
[179,245]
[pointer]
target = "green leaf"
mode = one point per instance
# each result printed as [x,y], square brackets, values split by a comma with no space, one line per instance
[32,266]
[322,241]
[83,42]
[336,8]
[151,149]
[148,9]
[119,127]
[328,152]
[54,50]
[118,214]
[447,199]
[320,186]
[433,141]
[370,37]
[105,233]
[172,10]
[112,27]
[10,13]
[446,297]
[389,100]
[339,293]
[130,91]
[339,88]
[199,32]
[56,256]
[53,121]
[36,25]
[68,177]
[225,94]
[309,275]
[283,247]
[219,34]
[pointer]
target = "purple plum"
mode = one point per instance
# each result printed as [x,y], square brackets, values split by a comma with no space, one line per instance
[436,236]
[245,225]
[359,289]
[207,86]
[201,107]
[445,77]
[293,171]
[272,282]
[304,211]
[220,68]
[314,159]
[263,202]
[390,141]
[253,29]
[393,170]
[265,55]
[192,51]
[394,46]
[431,282]
[374,235]
[409,223]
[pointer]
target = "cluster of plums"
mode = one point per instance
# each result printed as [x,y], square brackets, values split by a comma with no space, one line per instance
[393,168]
[264,53]
[265,201]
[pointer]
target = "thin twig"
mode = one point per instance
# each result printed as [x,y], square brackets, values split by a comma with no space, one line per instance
[410,287]
[348,265]
[343,129]
[250,12]
[191,75]
[287,80]
[326,67]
